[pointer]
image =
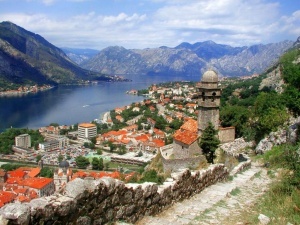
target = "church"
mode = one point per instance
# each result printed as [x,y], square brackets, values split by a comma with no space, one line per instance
[185,151]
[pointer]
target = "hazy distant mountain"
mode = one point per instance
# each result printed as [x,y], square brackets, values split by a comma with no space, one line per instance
[27,58]
[187,59]
[78,55]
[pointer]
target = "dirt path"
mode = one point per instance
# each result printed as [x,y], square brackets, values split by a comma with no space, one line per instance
[222,203]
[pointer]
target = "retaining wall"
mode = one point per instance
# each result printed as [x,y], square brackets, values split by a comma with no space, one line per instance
[106,200]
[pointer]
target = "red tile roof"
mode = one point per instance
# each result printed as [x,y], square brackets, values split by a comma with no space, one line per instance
[190,125]
[37,182]
[16,173]
[185,136]
[188,132]
[6,197]
[34,172]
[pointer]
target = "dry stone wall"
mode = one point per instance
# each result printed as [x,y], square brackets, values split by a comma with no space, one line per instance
[106,200]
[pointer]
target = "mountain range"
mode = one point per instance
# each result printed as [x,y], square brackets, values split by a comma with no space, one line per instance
[185,59]
[27,58]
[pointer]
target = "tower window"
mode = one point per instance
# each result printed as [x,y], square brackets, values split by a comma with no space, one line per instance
[213,96]
[203,96]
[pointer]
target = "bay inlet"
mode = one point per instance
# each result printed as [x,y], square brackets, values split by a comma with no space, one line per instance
[68,105]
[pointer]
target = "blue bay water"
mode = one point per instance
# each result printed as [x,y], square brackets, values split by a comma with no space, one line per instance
[68,105]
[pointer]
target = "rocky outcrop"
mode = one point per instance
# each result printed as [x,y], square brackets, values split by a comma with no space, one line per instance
[279,137]
[273,81]
[106,200]
[236,147]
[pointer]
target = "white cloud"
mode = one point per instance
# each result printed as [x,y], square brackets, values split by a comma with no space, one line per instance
[234,22]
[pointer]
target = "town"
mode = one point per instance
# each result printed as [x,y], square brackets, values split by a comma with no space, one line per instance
[169,122]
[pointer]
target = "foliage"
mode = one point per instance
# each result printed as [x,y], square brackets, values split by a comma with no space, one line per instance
[95,163]
[268,114]
[121,150]
[54,124]
[60,158]
[47,172]
[282,201]
[99,151]
[7,138]
[82,162]
[209,142]
[101,164]
[151,176]
[38,157]
[176,124]
[10,166]
[236,116]
[291,75]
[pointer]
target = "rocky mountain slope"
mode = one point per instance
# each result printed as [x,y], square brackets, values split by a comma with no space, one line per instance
[187,59]
[79,55]
[27,58]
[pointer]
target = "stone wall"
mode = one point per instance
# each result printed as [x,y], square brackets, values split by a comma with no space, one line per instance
[105,200]
[171,165]
[226,134]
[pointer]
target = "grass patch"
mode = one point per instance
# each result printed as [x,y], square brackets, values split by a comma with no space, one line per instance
[235,192]
[281,203]
[230,178]
[271,173]
[257,175]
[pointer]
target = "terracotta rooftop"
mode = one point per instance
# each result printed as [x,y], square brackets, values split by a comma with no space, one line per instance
[185,136]
[190,125]
[34,172]
[86,125]
[188,132]
[37,182]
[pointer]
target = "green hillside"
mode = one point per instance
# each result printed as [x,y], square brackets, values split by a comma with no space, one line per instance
[256,111]
[27,58]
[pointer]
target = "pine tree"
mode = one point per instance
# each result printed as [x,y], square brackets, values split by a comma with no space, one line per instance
[209,142]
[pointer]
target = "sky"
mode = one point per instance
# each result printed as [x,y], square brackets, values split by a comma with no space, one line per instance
[140,24]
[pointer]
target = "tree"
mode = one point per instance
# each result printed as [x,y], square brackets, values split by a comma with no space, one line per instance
[122,150]
[106,166]
[209,142]
[95,163]
[94,140]
[86,145]
[38,157]
[99,151]
[82,162]
[60,158]
[101,165]
[47,172]
[54,124]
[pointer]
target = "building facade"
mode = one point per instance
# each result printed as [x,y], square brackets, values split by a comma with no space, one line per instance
[23,141]
[87,130]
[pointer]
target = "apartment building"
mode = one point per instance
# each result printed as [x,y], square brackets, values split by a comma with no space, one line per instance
[23,141]
[87,130]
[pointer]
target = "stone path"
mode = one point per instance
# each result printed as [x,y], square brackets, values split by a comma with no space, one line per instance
[221,203]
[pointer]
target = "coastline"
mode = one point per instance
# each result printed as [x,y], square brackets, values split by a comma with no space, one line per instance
[21,92]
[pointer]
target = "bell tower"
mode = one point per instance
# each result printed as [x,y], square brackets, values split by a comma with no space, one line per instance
[209,95]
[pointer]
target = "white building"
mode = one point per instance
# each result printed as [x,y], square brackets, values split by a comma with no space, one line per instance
[87,130]
[23,141]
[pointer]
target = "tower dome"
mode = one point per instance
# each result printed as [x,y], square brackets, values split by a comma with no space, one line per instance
[210,76]
[64,164]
